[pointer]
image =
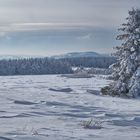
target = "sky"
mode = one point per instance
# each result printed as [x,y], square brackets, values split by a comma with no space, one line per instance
[51,27]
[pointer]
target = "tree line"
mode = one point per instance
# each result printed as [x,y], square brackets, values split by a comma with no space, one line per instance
[34,66]
[38,66]
[95,62]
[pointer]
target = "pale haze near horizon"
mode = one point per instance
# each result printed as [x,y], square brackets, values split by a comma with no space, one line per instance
[50,27]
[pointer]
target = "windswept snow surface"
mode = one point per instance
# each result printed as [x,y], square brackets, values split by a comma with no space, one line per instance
[29,110]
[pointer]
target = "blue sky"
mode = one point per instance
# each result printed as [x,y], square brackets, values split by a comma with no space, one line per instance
[50,27]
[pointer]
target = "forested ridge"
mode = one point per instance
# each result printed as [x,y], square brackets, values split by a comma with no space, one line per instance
[37,66]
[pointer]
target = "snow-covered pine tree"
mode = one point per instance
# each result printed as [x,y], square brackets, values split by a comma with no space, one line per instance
[127,69]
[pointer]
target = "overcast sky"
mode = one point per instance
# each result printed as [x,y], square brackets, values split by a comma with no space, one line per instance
[49,27]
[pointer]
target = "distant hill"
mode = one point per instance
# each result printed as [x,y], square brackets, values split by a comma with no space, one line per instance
[7,57]
[67,55]
[80,54]
[10,57]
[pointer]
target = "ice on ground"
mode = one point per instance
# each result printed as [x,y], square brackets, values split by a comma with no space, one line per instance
[52,107]
[78,75]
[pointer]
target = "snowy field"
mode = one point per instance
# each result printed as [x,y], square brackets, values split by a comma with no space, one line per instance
[55,108]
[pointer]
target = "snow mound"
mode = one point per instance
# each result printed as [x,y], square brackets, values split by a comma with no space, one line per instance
[24,102]
[61,89]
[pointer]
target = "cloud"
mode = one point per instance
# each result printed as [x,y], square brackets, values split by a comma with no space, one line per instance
[96,12]
[2,34]
[85,37]
[34,26]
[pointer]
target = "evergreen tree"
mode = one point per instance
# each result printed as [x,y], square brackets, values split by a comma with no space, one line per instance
[127,69]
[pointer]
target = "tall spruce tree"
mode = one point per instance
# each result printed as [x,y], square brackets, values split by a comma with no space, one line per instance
[127,69]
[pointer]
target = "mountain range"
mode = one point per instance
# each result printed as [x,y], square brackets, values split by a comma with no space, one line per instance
[66,55]
[80,54]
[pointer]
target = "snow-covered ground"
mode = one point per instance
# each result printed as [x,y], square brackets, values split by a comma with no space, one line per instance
[54,108]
